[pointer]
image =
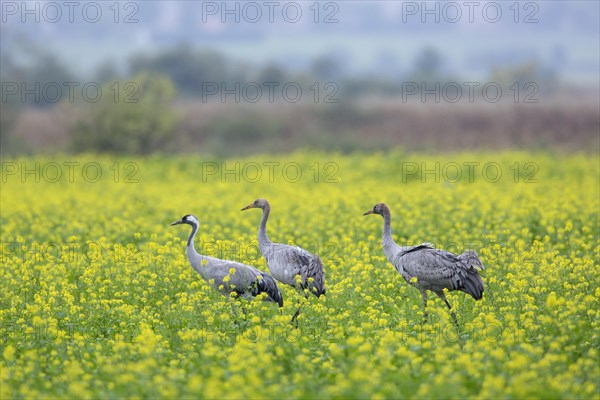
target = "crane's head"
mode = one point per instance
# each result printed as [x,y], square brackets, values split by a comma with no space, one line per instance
[258,203]
[187,219]
[379,208]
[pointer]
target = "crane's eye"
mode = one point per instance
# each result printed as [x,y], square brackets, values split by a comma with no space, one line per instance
[255,202]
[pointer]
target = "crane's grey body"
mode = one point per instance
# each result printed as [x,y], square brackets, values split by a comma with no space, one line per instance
[286,261]
[437,270]
[434,269]
[243,279]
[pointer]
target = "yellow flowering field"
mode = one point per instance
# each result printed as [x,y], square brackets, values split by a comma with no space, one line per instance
[98,298]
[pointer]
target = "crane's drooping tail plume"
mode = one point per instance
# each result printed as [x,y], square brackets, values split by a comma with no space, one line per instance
[473,284]
[268,285]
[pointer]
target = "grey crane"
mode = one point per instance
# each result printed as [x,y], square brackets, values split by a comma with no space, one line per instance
[243,279]
[434,269]
[286,261]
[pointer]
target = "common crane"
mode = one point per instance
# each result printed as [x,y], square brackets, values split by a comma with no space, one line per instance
[242,279]
[428,268]
[285,262]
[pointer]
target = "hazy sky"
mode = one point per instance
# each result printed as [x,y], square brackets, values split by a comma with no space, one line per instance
[368,37]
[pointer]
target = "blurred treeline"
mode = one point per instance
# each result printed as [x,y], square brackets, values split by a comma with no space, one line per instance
[171,102]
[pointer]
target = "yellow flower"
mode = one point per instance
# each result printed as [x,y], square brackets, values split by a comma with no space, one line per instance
[9,353]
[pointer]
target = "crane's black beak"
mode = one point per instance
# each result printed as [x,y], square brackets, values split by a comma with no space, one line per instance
[368,212]
[176,223]
[249,206]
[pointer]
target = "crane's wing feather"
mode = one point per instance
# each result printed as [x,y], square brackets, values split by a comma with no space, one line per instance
[286,261]
[438,269]
[241,278]
[406,250]
[431,267]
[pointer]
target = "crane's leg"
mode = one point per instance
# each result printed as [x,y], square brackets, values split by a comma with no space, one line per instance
[294,320]
[442,296]
[424,296]
[236,314]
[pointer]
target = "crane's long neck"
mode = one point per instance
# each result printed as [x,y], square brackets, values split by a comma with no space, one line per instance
[390,248]
[388,241]
[193,257]
[190,242]
[263,239]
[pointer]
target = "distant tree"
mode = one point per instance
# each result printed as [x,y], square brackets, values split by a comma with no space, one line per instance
[27,71]
[429,62]
[11,104]
[326,68]
[427,67]
[36,71]
[135,119]
[188,69]
[272,73]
